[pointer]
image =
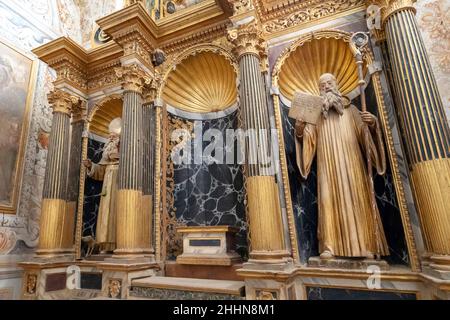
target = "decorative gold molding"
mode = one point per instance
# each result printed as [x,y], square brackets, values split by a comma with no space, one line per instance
[69,61]
[305,12]
[241,6]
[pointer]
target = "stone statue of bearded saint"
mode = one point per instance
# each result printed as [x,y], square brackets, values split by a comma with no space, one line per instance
[349,224]
[107,171]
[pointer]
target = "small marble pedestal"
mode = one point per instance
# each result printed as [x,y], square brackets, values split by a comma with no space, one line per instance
[208,246]
[347,263]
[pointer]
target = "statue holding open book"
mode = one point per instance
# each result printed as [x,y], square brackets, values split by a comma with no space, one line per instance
[348,143]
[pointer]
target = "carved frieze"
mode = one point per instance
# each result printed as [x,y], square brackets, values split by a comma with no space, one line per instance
[303,14]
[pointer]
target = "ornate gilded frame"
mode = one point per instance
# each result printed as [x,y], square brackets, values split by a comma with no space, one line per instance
[26,120]
[387,132]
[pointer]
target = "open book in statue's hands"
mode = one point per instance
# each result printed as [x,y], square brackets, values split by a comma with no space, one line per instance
[306,107]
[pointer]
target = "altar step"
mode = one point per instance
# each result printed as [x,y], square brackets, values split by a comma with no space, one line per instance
[176,270]
[171,288]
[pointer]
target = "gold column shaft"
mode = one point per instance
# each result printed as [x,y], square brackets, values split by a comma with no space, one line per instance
[264,209]
[148,176]
[57,218]
[424,126]
[130,220]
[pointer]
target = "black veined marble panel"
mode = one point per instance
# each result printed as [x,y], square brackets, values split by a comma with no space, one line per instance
[211,195]
[318,293]
[92,191]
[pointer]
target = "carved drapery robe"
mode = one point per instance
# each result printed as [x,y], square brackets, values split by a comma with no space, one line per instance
[347,206]
[105,233]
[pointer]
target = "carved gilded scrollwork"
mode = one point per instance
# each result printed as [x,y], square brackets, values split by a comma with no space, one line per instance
[241,6]
[266,295]
[315,11]
[247,39]
[133,77]
[62,101]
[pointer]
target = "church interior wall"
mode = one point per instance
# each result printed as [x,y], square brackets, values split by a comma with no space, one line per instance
[28,24]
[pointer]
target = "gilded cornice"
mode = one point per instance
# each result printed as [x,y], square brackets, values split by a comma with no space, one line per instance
[134,30]
[305,12]
[185,41]
[247,39]
[389,7]
[69,61]
[63,102]
[133,77]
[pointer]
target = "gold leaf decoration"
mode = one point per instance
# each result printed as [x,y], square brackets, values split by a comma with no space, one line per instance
[302,69]
[202,83]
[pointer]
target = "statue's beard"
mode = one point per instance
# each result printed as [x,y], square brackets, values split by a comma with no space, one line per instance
[332,99]
[111,150]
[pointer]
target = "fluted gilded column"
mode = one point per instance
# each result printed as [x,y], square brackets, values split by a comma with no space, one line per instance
[130,236]
[73,180]
[56,225]
[424,125]
[264,211]
[148,165]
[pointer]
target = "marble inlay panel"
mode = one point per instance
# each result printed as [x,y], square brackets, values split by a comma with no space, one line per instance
[211,194]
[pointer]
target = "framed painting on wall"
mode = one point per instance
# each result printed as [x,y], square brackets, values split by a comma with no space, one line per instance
[17,82]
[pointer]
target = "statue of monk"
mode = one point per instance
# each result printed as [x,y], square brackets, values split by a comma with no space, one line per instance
[107,171]
[343,138]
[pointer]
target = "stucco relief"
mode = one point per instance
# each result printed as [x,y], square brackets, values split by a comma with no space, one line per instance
[433,17]
[70,17]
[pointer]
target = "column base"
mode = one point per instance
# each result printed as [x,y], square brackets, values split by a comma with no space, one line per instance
[439,267]
[131,259]
[276,261]
[60,255]
[119,273]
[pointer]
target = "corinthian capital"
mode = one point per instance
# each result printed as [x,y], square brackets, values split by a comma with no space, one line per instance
[133,77]
[62,101]
[79,111]
[389,7]
[151,87]
[247,39]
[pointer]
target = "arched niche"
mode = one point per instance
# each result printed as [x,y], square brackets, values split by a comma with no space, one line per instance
[103,113]
[298,68]
[200,92]
[201,82]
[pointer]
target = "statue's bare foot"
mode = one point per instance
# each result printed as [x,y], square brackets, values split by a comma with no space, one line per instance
[326,255]
[370,256]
